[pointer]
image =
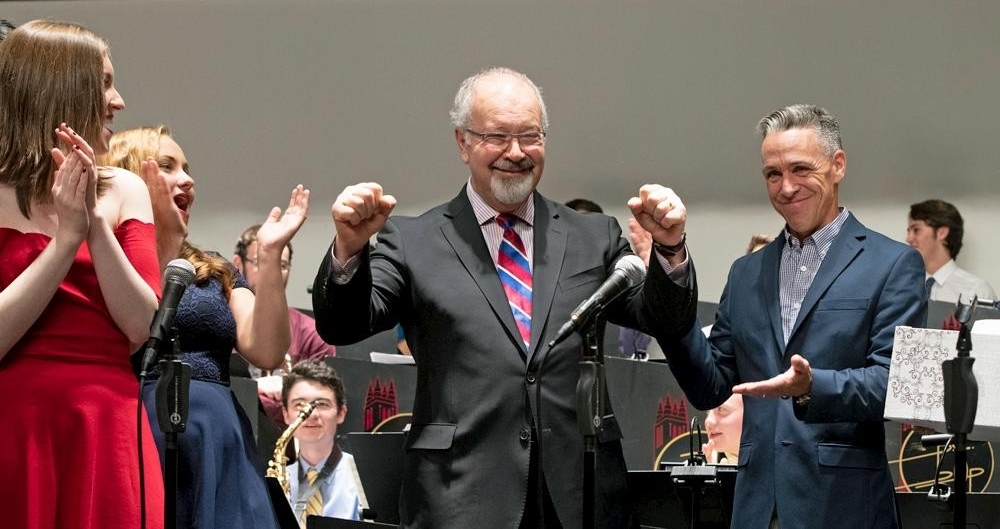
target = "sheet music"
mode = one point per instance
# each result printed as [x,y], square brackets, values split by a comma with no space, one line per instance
[386,358]
[915,393]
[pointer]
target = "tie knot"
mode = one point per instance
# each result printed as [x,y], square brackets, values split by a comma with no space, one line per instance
[506,220]
[311,475]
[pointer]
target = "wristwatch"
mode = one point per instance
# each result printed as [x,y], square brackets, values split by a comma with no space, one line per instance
[669,251]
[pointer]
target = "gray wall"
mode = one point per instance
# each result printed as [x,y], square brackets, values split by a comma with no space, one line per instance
[266,94]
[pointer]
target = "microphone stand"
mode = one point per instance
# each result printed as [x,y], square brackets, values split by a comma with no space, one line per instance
[172,393]
[961,397]
[590,406]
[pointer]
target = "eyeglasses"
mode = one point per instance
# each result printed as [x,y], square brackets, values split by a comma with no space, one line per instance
[285,265]
[501,140]
[321,404]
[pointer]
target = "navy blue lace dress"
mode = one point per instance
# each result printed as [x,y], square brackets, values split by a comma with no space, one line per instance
[219,482]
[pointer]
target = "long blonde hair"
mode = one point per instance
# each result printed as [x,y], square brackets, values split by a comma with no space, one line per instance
[128,149]
[52,73]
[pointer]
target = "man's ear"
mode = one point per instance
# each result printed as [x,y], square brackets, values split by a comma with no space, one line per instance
[839,166]
[463,147]
[941,233]
[238,263]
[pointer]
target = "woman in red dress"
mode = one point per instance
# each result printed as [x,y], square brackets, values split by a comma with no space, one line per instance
[79,282]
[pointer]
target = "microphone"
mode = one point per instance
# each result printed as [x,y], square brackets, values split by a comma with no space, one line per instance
[176,277]
[629,271]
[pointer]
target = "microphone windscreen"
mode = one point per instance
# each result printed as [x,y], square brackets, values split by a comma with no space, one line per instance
[633,268]
[179,270]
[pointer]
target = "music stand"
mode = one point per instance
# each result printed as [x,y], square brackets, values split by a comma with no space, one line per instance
[379,458]
[282,508]
[324,522]
[916,511]
[940,311]
[658,502]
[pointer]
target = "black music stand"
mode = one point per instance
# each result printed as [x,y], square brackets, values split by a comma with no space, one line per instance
[940,311]
[379,458]
[916,512]
[282,508]
[659,502]
[323,522]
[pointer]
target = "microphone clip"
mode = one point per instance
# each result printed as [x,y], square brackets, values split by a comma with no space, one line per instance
[153,348]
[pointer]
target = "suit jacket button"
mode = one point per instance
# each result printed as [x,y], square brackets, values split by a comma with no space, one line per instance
[525,435]
[531,377]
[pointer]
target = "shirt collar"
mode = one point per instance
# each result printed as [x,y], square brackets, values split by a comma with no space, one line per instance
[305,467]
[484,213]
[944,272]
[824,236]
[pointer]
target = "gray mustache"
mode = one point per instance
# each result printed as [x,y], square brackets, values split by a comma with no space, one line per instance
[507,165]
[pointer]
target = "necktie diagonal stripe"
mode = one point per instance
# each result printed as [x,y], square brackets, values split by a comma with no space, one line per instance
[515,276]
[314,506]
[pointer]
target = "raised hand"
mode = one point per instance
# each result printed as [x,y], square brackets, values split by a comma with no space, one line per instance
[77,144]
[794,382]
[709,449]
[660,212]
[166,215]
[642,241]
[69,136]
[359,212]
[279,227]
[73,179]
[171,228]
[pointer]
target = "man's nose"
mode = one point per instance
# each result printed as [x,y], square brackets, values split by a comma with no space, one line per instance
[514,151]
[788,185]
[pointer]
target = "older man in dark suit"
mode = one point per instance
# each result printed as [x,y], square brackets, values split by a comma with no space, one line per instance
[481,284]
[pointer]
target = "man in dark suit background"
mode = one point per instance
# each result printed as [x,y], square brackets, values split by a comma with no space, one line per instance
[478,339]
[804,332]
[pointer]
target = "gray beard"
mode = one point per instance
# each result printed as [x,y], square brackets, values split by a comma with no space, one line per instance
[512,190]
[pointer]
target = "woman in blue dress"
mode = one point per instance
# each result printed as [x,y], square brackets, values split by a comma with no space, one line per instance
[220,484]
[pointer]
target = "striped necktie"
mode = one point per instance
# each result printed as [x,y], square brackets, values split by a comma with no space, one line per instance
[928,285]
[314,506]
[515,275]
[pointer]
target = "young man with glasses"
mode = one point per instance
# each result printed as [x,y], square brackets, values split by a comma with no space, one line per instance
[323,479]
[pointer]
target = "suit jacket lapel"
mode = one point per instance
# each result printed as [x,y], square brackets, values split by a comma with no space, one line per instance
[845,247]
[466,238]
[771,285]
[549,251]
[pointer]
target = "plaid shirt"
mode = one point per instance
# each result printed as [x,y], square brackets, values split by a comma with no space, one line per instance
[799,263]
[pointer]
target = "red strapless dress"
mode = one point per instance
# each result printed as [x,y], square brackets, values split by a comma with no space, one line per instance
[68,446]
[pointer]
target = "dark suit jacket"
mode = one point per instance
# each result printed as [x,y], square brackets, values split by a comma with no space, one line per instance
[823,464]
[468,447]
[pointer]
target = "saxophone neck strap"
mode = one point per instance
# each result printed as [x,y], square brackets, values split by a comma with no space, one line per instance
[306,490]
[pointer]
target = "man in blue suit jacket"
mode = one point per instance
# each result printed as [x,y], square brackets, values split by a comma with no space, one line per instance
[804,332]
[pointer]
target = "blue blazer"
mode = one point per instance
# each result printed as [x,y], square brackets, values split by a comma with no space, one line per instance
[823,464]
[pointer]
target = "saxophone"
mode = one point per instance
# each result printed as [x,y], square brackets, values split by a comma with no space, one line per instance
[276,467]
